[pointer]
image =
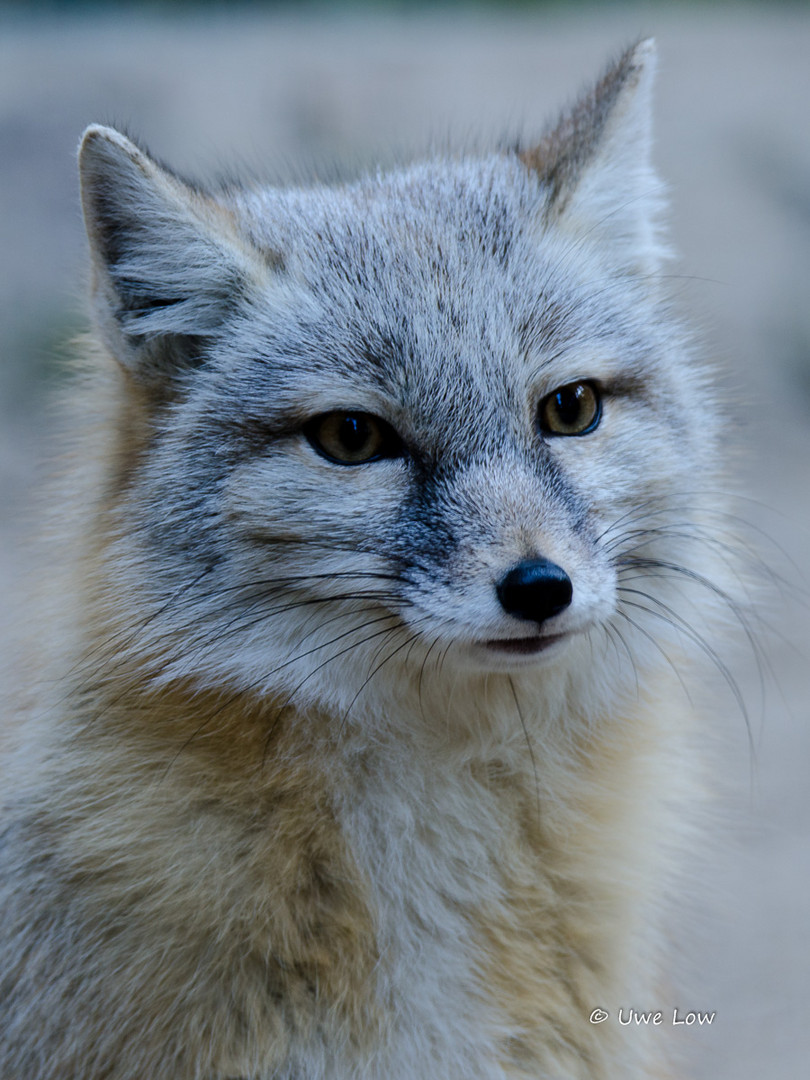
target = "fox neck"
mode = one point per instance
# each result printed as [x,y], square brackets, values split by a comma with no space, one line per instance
[444,889]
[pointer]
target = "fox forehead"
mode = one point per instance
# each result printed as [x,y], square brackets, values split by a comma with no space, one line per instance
[423,205]
[437,286]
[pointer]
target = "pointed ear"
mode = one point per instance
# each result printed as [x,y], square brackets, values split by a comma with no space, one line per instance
[595,164]
[169,265]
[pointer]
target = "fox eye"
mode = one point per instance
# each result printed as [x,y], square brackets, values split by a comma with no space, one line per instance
[573,409]
[352,438]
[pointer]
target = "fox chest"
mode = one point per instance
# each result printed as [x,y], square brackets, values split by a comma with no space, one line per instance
[466,953]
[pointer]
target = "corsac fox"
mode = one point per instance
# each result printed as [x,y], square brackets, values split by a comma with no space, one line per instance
[359,749]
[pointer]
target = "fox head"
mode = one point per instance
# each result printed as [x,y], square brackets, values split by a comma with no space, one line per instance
[432,425]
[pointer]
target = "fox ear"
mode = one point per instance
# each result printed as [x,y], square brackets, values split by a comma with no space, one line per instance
[595,164]
[168,262]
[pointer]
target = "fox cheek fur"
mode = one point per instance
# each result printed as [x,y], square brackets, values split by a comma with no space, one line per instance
[358,730]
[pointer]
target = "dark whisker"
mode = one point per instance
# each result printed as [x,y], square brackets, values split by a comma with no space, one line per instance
[408,642]
[612,632]
[671,617]
[528,745]
[319,667]
[656,644]
[646,563]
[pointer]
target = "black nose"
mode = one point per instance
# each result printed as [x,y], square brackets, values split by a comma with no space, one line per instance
[535,589]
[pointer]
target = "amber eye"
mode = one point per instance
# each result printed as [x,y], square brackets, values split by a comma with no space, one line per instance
[574,409]
[353,438]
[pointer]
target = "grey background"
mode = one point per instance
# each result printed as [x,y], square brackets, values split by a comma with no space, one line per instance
[268,89]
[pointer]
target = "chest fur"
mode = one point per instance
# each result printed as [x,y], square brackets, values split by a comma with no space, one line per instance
[396,917]
[501,919]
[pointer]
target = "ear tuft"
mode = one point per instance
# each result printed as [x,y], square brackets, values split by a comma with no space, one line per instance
[595,164]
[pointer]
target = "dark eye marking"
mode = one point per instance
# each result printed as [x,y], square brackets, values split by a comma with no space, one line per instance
[573,409]
[353,438]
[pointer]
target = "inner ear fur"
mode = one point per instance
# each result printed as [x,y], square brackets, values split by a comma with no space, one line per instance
[595,163]
[169,265]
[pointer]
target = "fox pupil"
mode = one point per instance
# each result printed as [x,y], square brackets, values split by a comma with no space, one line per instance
[354,433]
[568,405]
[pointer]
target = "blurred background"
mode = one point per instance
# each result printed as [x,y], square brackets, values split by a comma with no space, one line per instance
[282,91]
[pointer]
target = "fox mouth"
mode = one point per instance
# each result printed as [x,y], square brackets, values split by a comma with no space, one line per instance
[525,646]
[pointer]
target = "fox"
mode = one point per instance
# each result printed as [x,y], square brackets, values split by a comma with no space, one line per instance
[357,746]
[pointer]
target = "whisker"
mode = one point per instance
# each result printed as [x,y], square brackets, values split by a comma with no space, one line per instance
[611,633]
[261,681]
[319,667]
[656,644]
[408,642]
[422,667]
[699,579]
[528,745]
[678,622]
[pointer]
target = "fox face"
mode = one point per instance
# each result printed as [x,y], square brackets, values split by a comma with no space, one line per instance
[434,423]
